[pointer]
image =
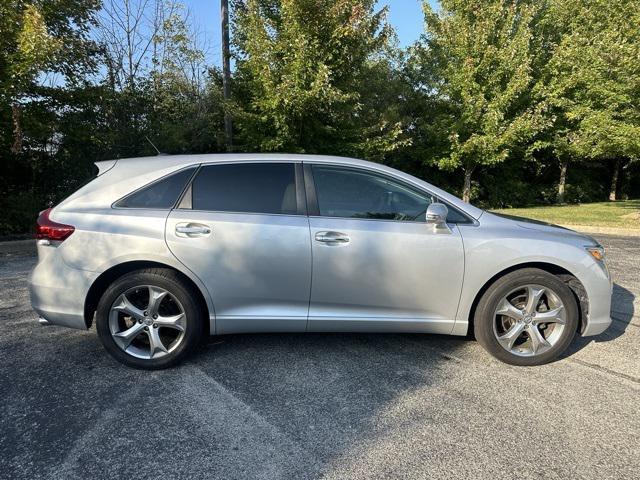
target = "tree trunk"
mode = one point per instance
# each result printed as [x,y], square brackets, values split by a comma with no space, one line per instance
[466,190]
[16,148]
[614,181]
[563,180]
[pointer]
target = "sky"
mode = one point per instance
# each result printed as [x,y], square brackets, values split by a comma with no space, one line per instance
[405,16]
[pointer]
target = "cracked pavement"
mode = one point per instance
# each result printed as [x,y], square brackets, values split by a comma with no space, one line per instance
[325,406]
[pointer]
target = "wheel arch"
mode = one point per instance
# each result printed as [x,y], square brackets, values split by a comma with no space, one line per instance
[106,278]
[571,280]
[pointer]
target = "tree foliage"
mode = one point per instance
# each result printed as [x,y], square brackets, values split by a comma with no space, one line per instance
[305,69]
[498,100]
[478,58]
[589,82]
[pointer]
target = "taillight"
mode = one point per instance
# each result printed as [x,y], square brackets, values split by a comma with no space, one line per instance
[47,229]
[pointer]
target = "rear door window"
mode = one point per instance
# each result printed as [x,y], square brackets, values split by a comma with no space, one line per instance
[268,188]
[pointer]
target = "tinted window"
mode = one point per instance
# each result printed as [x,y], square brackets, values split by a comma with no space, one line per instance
[351,193]
[246,187]
[455,216]
[161,194]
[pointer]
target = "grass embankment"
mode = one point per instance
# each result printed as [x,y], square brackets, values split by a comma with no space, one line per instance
[622,214]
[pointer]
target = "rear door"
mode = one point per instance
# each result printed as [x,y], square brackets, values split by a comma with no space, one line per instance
[242,229]
[377,265]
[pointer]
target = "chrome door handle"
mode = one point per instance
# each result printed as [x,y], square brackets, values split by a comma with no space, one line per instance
[192,230]
[332,237]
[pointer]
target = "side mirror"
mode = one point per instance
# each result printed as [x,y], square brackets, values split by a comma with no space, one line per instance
[437,215]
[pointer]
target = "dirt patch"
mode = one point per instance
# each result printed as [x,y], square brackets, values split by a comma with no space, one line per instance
[632,216]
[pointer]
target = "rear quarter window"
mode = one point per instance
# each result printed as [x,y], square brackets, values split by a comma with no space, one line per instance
[161,194]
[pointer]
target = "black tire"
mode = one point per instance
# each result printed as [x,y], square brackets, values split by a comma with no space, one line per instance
[170,281]
[484,315]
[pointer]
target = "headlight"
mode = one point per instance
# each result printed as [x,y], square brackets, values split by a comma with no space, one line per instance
[596,252]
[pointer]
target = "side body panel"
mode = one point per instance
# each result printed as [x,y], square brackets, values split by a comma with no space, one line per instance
[390,276]
[102,239]
[256,267]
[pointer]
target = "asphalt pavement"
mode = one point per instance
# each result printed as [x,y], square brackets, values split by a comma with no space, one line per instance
[319,406]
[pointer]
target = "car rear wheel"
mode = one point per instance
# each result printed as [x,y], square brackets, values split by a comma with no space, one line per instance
[149,319]
[527,317]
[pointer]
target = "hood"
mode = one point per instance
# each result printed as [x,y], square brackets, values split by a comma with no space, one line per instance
[531,223]
[540,226]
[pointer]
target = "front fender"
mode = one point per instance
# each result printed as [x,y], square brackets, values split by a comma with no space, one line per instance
[490,253]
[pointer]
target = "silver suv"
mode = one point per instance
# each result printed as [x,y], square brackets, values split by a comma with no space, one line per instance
[162,251]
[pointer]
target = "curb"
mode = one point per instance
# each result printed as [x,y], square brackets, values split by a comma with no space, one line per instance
[18,246]
[623,232]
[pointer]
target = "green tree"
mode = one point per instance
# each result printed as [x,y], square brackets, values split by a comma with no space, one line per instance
[45,53]
[157,85]
[304,71]
[477,57]
[590,84]
[37,38]
[186,112]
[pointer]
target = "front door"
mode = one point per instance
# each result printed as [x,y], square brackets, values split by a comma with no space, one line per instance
[377,265]
[242,229]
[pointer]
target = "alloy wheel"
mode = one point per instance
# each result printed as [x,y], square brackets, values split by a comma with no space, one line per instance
[529,320]
[147,322]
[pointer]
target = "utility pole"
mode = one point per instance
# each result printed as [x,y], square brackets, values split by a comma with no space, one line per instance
[226,73]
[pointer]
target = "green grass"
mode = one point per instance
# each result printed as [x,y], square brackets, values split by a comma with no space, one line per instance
[622,214]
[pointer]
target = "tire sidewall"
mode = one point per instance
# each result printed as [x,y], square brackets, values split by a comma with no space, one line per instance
[172,285]
[484,316]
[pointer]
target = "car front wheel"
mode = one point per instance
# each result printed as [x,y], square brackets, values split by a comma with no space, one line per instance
[527,317]
[149,319]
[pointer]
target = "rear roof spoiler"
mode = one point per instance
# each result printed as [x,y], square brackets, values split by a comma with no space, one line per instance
[105,165]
